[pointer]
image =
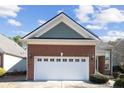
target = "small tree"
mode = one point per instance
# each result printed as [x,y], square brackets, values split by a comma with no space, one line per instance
[17,39]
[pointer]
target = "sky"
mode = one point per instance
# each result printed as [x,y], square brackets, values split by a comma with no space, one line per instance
[106,21]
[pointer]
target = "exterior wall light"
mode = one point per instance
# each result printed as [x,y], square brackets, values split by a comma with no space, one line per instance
[30,55]
[92,57]
[61,54]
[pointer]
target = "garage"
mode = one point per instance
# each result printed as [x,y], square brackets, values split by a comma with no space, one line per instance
[61,49]
[61,68]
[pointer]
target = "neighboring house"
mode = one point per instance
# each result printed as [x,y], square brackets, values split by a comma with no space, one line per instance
[62,49]
[12,56]
[118,53]
[104,51]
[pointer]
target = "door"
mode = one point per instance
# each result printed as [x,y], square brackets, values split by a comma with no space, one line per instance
[61,68]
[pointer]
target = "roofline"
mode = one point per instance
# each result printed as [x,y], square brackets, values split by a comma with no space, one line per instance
[13,55]
[119,42]
[41,25]
[82,26]
[65,38]
[69,18]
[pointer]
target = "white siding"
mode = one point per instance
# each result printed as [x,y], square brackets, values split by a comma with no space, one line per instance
[100,52]
[12,63]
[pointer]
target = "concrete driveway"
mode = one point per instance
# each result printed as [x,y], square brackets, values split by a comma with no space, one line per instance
[18,81]
[53,84]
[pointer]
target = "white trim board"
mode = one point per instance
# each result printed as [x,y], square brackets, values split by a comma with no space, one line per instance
[62,42]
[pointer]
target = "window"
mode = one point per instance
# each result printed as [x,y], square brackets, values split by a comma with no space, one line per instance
[107,60]
[58,60]
[51,60]
[70,60]
[76,60]
[39,59]
[83,60]
[107,55]
[107,64]
[64,60]
[45,59]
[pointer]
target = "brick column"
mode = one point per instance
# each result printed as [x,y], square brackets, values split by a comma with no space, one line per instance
[30,65]
[1,60]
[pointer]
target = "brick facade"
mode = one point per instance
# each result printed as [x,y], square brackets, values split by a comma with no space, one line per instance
[55,50]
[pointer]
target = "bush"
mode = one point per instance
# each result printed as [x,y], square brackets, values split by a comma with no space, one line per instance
[98,78]
[2,72]
[118,69]
[116,74]
[119,83]
[16,73]
[121,76]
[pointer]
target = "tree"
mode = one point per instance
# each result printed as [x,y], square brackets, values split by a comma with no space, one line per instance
[17,39]
[118,52]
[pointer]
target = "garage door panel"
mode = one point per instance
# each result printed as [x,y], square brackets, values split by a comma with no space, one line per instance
[61,70]
[60,77]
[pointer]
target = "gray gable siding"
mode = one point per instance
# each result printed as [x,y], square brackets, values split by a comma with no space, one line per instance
[61,31]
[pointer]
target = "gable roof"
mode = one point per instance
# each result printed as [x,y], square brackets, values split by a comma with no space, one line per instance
[60,31]
[8,46]
[59,18]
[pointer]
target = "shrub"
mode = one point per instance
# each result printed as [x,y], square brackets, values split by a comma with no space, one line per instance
[2,72]
[122,66]
[119,83]
[116,74]
[118,69]
[98,78]
[16,73]
[121,76]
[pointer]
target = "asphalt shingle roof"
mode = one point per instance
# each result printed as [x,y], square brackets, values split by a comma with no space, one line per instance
[8,46]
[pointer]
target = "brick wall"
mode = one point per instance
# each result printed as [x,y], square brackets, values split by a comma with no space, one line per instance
[55,50]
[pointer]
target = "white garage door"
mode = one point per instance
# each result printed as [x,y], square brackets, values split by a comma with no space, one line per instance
[61,68]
